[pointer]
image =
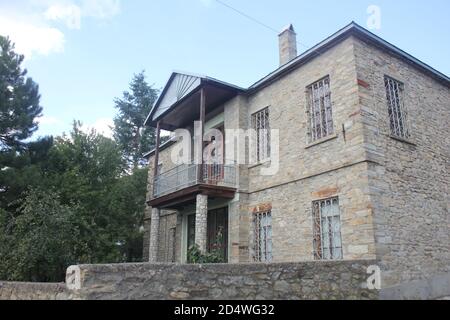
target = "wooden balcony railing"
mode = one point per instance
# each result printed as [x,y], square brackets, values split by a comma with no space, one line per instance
[187,175]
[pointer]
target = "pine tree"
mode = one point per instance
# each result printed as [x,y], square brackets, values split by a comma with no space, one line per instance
[130,133]
[19,99]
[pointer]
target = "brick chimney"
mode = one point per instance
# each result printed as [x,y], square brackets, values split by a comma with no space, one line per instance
[288,44]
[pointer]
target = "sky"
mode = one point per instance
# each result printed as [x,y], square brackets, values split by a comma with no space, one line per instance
[83,53]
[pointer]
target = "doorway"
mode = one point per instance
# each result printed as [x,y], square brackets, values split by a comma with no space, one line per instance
[217,232]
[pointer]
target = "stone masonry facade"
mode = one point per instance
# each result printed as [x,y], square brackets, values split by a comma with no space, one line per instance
[408,180]
[393,195]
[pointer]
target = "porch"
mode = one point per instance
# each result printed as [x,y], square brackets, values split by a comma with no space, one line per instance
[194,103]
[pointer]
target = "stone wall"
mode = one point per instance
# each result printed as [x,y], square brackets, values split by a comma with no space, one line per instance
[33,291]
[308,280]
[168,218]
[288,104]
[307,172]
[408,180]
[292,221]
[333,167]
[394,195]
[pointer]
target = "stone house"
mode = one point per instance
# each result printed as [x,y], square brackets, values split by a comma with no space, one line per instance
[347,158]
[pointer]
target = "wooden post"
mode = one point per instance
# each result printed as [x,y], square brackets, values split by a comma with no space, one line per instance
[202,132]
[158,139]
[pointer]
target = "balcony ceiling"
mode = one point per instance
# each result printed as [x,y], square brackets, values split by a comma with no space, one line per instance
[179,103]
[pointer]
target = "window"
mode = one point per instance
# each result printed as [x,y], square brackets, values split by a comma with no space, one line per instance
[396,108]
[260,123]
[319,110]
[262,222]
[327,230]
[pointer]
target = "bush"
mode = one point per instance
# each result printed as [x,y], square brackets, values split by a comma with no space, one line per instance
[194,255]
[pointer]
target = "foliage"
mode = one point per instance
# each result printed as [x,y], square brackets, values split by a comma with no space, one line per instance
[83,172]
[66,200]
[41,240]
[194,254]
[129,131]
[19,99]
[19,170]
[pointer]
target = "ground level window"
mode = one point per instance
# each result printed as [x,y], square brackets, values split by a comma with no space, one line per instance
[262,222]
[327,230]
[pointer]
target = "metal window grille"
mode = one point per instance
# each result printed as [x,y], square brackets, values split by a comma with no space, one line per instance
[327,230]
[319,110]
[262,222]
[396,108]
[261,125]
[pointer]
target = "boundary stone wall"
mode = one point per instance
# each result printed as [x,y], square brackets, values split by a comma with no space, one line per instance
[293,281]
[33,291]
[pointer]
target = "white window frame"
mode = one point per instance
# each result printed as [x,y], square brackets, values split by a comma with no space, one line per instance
[319,110]
[327,240]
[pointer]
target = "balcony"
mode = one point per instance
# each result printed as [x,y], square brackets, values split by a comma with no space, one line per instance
[186,180]
[184,100]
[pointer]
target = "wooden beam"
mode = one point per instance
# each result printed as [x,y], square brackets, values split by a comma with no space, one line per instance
[189,193]
[202,132]
[158,140]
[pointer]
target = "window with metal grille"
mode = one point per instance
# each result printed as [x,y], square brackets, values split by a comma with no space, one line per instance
[327,230]
[262,222]
[396,108]
[260,123]
[319,110]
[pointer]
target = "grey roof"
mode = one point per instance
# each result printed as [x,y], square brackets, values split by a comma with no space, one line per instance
[190,82]
[351,29]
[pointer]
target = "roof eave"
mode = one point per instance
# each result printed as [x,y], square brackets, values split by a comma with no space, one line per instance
[349,30]
[204,79]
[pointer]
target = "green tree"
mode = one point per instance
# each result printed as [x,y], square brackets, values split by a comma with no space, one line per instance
[22,170]
[85,167]
[41,241]
[129,131]
[19,99]
[19,108]
[127,204]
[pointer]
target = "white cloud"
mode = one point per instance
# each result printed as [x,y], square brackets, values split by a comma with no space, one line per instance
[100,9]
[30,38]
[32,24]
[70,14]
[48,120]
[103,126]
